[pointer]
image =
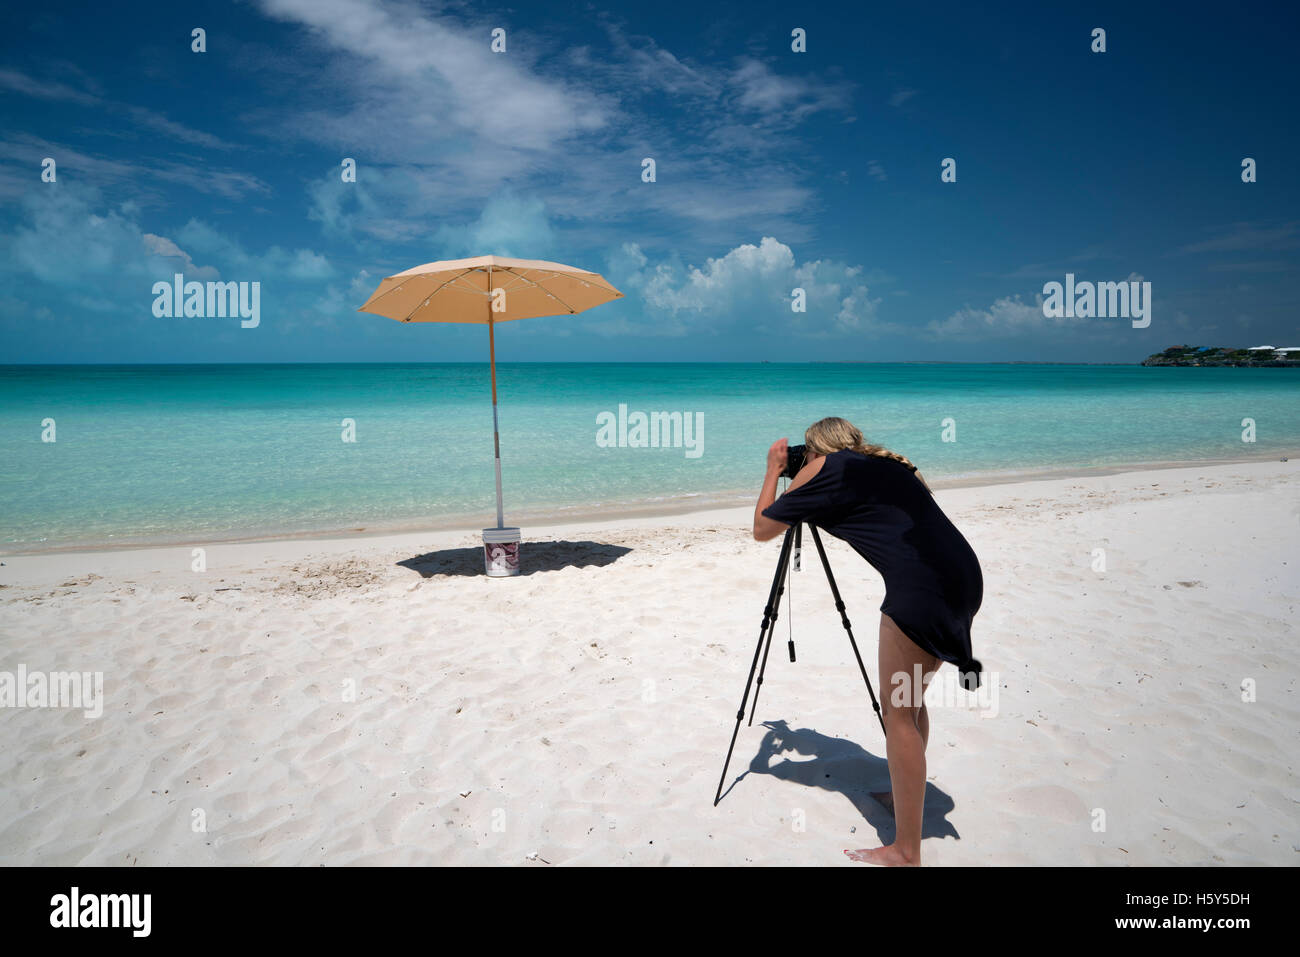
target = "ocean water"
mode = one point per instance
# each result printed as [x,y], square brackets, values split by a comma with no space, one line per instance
[151,454]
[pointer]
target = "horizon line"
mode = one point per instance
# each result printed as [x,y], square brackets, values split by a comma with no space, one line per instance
[468,362]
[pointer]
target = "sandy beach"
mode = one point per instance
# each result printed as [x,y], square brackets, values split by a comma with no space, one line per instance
[380,701]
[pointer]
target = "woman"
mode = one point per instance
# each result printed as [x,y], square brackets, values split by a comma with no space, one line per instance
[876,501]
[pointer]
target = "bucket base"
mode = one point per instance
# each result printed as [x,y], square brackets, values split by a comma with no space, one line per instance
[501,552]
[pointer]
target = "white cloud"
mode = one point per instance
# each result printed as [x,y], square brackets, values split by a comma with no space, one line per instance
[71,238]
[164,247]
[508,226]
[1008,316]
[792,97]
[139,179]
[43,89]
[722,279]
[1247,236]
[635,64]
[276,262]
[303,264]
[155,121]
[442,122]
[416,81]
[152,120]
[342,302]
[749,287]
[100,259]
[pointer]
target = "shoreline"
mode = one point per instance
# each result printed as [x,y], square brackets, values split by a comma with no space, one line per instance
[536,517]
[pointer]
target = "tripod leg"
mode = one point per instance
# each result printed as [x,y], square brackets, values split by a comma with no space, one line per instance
[753,707]
[844,619]
[764,636]
[798,554]
[797,528]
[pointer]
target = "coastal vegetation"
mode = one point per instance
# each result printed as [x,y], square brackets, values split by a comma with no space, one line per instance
[1222,356]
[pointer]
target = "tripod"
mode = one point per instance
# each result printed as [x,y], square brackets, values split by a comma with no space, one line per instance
[790,546]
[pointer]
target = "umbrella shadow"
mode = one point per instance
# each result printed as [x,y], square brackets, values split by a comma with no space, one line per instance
[534,557]
[836,764]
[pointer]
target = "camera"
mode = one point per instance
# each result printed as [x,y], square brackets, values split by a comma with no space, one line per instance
[794,460]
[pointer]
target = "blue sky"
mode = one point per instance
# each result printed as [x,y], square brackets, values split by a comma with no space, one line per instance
[775,169]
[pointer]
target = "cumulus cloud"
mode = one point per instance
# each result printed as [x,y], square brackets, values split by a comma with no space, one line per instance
[341,301]
[1008,316]
[750,287]
[1012,317]
[85,259]
[342,208]
[164,247]
[508,226]
[98,257]
[68,236]
[304,264]
[722,280]
[275,262]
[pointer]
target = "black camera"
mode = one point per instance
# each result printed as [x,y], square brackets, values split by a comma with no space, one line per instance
[794,460]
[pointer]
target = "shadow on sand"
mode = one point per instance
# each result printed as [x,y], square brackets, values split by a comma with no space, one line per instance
[534,557]
[834,764]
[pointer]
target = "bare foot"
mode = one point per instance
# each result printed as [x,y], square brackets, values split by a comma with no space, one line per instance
[887,856]
[886,798]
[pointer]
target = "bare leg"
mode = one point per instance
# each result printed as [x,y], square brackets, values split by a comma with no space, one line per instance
[905,740]
[886,798]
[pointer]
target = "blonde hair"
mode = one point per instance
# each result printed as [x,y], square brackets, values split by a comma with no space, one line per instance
[834,434]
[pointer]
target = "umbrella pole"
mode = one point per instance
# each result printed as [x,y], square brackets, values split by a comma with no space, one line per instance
[496,435]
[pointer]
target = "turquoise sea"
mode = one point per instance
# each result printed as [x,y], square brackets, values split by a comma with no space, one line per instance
[181,453]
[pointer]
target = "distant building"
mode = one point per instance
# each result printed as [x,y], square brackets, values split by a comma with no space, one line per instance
[1225,356]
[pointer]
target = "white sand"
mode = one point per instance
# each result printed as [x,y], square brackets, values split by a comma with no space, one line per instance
[586,709]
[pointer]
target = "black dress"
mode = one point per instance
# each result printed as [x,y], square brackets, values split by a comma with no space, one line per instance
[933,583]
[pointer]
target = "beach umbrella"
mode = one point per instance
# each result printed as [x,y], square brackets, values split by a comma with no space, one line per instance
[487,290]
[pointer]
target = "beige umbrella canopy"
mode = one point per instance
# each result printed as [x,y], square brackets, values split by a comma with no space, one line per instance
[458,290]
[488,290]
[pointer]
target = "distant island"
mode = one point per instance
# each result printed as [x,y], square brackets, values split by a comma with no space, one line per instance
[1256,356]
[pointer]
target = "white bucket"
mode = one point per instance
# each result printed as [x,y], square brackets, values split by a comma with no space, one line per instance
[501,551]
